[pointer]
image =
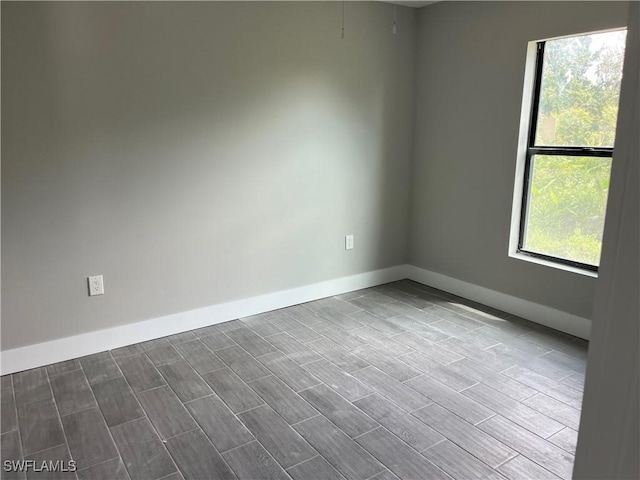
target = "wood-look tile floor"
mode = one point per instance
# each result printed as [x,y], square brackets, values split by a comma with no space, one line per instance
[397,381]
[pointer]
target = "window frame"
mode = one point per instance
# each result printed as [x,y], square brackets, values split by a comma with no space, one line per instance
[528,149]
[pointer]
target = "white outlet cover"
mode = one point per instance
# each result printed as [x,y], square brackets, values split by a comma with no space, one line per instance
[348,242]
[96,285]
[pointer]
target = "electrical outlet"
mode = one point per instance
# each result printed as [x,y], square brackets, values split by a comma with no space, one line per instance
[348,242]
[96,285]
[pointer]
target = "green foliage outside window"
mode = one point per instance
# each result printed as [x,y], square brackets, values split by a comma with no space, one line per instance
[578,107]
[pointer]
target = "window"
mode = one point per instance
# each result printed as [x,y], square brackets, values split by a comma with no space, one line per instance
[567,137]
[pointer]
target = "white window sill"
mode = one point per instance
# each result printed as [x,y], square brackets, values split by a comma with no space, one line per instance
[559,266]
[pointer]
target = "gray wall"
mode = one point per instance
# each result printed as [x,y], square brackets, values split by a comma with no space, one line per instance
[471,58]
[195,153]
[609,438]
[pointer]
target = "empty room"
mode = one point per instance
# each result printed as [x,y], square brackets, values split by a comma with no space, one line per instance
[333,240]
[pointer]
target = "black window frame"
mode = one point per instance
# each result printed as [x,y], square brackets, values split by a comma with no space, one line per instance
[532,150]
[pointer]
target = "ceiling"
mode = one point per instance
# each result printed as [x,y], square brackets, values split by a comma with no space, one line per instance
[416,4]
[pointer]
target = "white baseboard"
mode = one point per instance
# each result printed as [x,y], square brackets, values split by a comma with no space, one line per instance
[37,355]
[550,317]
[45,353]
